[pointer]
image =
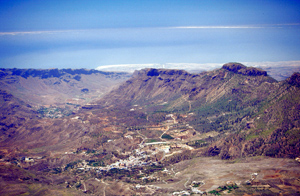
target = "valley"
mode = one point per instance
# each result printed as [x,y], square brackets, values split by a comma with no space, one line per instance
[231,131]
[56,93]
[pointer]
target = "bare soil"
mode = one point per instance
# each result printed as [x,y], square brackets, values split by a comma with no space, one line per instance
[281,174]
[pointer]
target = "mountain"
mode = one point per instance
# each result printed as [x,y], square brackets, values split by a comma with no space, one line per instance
[232,100]
[232,92]
[159,85]
[159,132]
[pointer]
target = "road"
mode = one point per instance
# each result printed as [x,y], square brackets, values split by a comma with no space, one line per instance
[143,137]
[164,132]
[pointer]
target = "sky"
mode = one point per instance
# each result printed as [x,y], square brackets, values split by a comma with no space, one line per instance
[105,33]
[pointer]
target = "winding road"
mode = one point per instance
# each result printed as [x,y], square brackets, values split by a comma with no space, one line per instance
[187,182]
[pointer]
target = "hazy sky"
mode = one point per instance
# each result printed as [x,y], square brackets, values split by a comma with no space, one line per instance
[88,34]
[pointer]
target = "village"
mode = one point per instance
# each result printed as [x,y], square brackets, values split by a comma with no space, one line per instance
[171,141]
[147,151]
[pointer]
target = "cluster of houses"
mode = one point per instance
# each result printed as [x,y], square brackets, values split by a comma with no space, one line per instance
[132,161]
[139,158]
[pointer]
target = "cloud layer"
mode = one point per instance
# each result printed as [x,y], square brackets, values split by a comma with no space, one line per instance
[186,66]
[193,67]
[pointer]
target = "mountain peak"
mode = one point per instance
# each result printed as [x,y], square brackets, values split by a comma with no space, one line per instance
[234,67]
[244,70]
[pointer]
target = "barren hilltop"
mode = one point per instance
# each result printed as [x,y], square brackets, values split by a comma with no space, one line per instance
[233,130]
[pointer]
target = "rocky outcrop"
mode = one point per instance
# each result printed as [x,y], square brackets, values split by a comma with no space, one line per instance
[242,69]
[153,72]
[294,80]
[234,67]
[163,72]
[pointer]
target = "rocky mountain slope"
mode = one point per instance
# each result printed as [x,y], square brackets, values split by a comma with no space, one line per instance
[14,113]
[152,85]
[237,100]
[273,130]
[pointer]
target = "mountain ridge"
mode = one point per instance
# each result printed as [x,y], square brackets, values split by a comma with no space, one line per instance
[248,90]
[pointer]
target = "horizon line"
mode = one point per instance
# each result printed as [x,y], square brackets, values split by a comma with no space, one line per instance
[13,33]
